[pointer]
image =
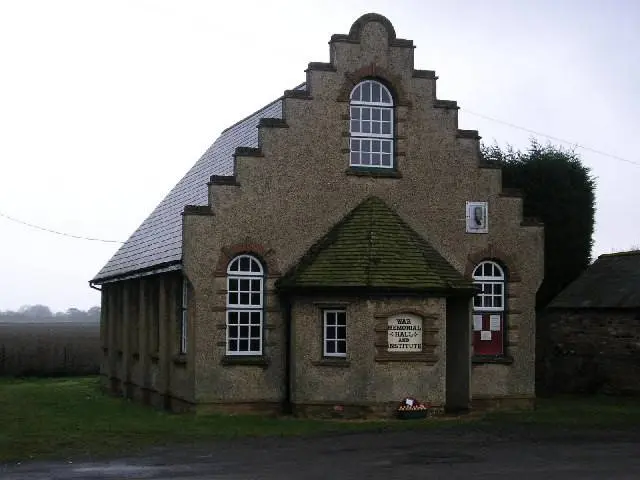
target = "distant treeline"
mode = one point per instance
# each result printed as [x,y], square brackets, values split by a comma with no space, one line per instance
[43,314]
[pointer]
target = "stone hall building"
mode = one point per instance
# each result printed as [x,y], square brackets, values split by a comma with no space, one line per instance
[344,246]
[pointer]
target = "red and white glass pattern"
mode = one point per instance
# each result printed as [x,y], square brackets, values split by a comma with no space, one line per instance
[488,309]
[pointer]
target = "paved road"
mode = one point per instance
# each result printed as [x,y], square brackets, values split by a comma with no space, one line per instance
[454,453]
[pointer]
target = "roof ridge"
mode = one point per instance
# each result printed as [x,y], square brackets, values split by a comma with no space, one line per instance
[621,254]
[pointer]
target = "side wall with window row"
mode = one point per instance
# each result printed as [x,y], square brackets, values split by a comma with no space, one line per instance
[142,354]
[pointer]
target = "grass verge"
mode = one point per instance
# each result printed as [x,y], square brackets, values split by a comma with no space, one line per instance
[57,418]
[567,411]
[60,418]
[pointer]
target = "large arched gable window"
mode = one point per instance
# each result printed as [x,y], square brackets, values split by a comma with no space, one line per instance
[371,125]
[489,309]
[245,299]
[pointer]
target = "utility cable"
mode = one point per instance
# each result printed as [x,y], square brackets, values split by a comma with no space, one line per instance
[557,139]
[480,115]
[80,237]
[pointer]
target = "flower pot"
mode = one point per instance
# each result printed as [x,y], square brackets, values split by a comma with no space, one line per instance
[411,414]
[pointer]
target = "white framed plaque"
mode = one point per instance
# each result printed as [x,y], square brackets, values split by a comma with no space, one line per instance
[477,217]
[404,333]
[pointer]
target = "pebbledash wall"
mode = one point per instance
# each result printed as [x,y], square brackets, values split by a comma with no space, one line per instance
[286,194]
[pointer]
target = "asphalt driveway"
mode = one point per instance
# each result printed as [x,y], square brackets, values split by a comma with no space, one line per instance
[453,453]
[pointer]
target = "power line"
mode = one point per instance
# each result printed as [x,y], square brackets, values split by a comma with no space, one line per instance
[80,237]
[480,115]
[557,139]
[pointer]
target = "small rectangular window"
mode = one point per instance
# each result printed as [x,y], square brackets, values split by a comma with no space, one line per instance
[335,333]
[183,316]
[154,318]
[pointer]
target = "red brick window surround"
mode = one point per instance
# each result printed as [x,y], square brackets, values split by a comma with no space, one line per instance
[489,309]
[245,306]
[371,126]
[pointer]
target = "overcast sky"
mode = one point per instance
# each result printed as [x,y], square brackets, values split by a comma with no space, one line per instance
[104,105]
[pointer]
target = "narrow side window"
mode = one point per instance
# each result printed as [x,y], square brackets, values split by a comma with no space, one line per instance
[335,333]
[245,310]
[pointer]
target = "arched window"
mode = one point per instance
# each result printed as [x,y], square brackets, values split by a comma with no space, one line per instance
[488,309]
[245,293]
[371,125]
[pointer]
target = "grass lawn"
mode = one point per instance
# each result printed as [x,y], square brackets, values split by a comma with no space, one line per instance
[566,411]
[60,418]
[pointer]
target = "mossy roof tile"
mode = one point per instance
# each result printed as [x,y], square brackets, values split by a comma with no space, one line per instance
[373,247]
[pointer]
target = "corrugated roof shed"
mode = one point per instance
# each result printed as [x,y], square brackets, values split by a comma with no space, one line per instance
[613,281]
[373,247]
[157,244]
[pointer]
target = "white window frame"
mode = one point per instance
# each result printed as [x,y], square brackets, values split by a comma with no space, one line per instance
[248,276]
[336,339]
[359,136]
[491,280]
[184,325]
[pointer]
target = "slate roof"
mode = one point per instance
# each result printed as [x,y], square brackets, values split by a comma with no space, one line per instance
[156,245]
[612,281]
[372,247]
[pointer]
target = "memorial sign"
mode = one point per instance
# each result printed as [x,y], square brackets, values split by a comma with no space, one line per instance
[404,333]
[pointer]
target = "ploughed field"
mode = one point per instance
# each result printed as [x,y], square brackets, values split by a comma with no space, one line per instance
[49,349]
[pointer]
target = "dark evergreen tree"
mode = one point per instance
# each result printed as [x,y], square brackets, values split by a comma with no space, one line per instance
[560,191]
